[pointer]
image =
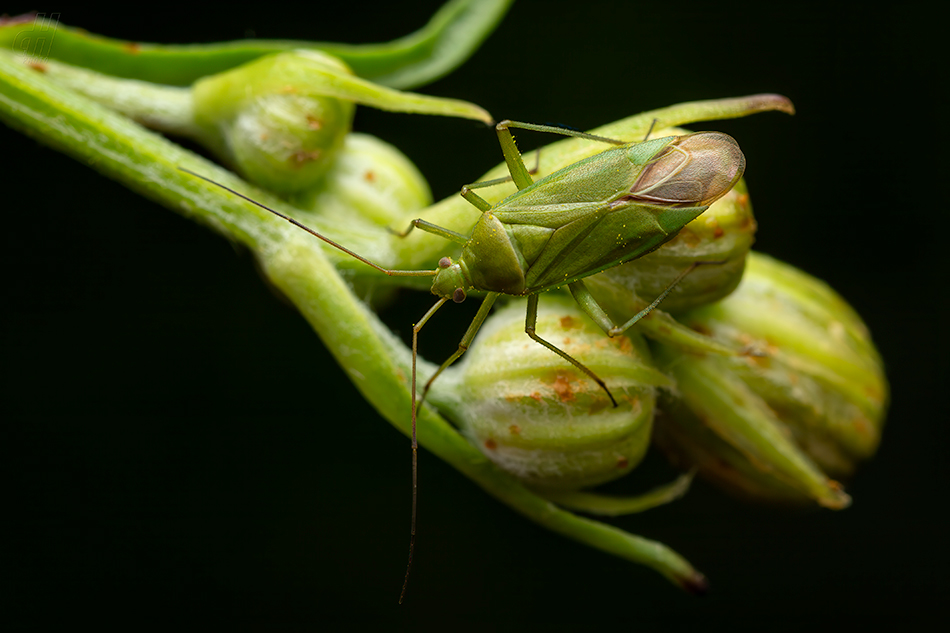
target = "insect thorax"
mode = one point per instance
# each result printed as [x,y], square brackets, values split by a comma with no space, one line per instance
[490,261]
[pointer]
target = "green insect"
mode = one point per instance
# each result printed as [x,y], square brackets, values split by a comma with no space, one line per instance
[600,212]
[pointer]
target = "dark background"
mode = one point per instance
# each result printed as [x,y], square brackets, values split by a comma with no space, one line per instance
[182,448]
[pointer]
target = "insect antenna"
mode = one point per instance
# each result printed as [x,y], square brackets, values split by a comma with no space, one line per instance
[387,271]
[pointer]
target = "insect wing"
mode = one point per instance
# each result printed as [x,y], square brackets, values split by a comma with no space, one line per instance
[674,179]
[560,210]
[606,238]
[570,193]
[693,171]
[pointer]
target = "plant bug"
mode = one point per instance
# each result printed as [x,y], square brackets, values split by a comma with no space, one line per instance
[600,212]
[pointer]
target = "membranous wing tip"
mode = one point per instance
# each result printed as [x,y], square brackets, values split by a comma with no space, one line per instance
[692,171]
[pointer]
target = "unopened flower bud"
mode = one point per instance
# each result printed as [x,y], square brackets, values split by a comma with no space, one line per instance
[371,184]
[801,409]
[720,238]
[273,120]
[281,119]
[540,418]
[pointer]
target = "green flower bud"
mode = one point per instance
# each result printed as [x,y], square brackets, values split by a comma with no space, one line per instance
[281,119]
[273,121]
[722,234]
[540,418]
[371,183]
[804,406]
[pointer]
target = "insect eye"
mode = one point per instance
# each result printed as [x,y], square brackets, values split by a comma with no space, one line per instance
[459,295]
[445,262]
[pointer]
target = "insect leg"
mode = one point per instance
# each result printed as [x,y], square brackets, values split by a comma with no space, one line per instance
[593,309]
[662,327]
[531,321]
[466,340]
[553,129]
[519,173]
[415,442]
[435,229]
[480,202]
[516,166]
[650,130]
[476,200]
[416,403]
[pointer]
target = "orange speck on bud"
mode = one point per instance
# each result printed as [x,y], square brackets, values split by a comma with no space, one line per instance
[305,156]
[562,387]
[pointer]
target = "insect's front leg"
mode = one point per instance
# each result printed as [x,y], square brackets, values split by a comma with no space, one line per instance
[476,200]
[428,227]
[531,321]
[465,342]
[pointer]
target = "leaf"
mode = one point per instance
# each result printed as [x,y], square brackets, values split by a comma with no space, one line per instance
[450,37]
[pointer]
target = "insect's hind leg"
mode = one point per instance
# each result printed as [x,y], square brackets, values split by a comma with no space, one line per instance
[664,328]
[592,308]
[531,321]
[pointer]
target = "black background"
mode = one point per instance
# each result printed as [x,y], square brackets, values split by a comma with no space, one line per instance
[182,448]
